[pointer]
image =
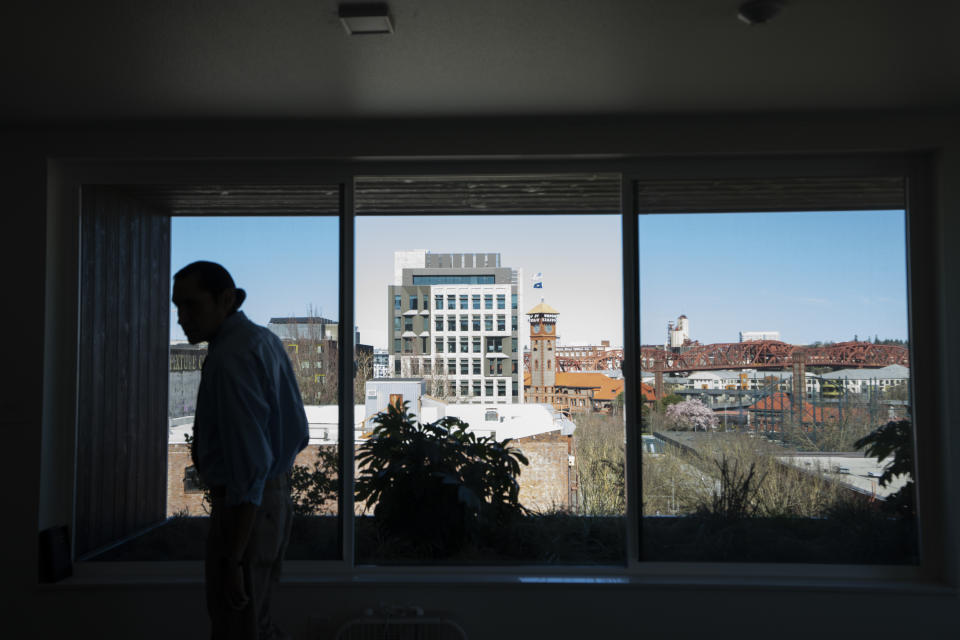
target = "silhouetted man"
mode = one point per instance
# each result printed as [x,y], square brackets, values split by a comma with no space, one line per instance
[249,427]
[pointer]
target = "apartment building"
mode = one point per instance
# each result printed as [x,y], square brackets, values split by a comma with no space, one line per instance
[453,320]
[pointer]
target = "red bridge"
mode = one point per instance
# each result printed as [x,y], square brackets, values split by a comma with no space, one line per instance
[755,354]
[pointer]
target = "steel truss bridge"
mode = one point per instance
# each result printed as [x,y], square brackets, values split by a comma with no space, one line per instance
[755,354]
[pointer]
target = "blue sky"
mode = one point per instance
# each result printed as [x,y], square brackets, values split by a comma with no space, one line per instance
[810,276]
[285,264]
[820,276]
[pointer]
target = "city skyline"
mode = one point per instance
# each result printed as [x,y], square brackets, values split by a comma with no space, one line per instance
[810,276]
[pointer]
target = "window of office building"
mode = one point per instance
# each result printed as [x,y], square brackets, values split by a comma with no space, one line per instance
[438,344]
[488,323]
[438,302]
[408,324]
[464,367]
[464,323]
[451,345]
[451,302]
[501,301]
[396,323]
[463,302]
[476,345]
[494,345]
[413,302]
[475,301]
[451,366]
[451,323]
[476,366]
[475,320]
[501,323]
[488,301]
[476,387]
[438,323]
[464,346]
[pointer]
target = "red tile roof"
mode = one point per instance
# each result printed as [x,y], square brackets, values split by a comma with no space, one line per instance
[780,402]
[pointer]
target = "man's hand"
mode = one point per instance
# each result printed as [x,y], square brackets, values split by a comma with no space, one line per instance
[234,591]
[236,525]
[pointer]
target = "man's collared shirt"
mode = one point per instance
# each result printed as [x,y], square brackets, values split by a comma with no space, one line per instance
[250,423]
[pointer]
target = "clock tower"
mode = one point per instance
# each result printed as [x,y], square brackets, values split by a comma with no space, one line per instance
[543,353]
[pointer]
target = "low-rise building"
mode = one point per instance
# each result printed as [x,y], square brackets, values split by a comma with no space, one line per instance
[861,380]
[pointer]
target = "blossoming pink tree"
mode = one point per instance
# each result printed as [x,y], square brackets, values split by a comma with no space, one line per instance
[691,415]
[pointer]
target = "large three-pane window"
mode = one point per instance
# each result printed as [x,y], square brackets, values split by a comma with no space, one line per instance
[768,332]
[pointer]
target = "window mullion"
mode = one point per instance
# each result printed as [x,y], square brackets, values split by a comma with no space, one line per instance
[631,369]
[345,365]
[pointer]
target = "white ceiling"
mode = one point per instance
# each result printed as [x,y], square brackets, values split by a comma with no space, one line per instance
[198,59]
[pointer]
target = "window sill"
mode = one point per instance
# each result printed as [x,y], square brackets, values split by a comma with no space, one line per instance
[680,576]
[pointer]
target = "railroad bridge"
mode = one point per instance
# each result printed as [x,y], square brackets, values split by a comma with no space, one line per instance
[754,354]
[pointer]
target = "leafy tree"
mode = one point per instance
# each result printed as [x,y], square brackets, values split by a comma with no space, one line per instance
[652,418]
[894,439]
[669,399]
[313,488]
[691,415]
[434,485]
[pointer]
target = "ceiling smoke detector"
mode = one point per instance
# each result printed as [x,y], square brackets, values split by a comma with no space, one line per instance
[759,11]
[365,19]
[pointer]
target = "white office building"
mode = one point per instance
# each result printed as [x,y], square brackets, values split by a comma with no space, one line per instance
[454,320]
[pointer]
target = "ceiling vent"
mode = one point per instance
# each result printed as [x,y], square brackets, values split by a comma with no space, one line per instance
[759,11]
[366,19]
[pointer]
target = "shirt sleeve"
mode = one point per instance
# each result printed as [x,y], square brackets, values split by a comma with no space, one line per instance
[243,415]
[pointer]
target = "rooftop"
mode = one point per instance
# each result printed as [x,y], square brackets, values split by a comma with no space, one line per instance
[893,371]
[302,320]
[543,307]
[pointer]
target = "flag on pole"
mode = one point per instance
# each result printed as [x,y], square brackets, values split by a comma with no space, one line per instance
[537,280]
[538,285]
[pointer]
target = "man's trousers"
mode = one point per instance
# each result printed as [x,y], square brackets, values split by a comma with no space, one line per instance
[262,563]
